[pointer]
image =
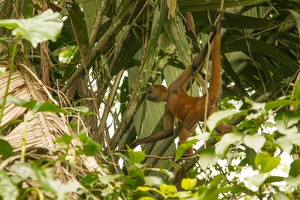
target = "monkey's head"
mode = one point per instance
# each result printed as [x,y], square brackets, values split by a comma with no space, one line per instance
[157,93]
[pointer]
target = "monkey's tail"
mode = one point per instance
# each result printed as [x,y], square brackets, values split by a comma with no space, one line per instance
[215,79]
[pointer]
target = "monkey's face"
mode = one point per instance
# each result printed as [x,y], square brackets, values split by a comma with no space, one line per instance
[157,93]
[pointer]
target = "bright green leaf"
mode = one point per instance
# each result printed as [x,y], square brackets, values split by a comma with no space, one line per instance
[188,184]
[146,198]
[265,163]
[136,156]
[36,29]
[183,148]
[167,189]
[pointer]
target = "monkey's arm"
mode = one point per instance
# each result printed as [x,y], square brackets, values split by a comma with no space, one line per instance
[167,132]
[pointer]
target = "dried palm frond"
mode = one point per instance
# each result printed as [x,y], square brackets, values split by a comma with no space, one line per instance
[39,129]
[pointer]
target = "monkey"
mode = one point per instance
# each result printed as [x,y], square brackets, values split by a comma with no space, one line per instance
[187,109]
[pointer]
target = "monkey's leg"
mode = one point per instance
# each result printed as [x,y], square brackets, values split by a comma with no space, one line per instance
[152,138]
[167,132]
[192,118]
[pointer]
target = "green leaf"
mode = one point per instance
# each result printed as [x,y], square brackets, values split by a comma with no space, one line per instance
[90,147]
[7,188]
[35,106]
[136,156]
[188,184]
[275,104]
[255,141]
[6,149]
[22,170]
[208,157]
[43,27]
[135,172]
[183,148]
[82,109]
[89,180]
[227,139]
[218,117]
[66,139]
[49,107]
[108,178]
[32,105]
[293,181]
[265,163]
[280,196]
[273,179]
[295,168]
[167,189]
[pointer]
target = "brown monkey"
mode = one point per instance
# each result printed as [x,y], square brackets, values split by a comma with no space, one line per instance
[187,109]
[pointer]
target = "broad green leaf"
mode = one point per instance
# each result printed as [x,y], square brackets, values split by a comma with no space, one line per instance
[295,168]
[259,46]
[8,190]
[183,148]
[23,170]
[108,178]
[90,180]
[6,149]
[227,139]
[265,162]
[273,179]
[82,109]
[66,139]
[255,180]
[167,189]
[286,141]
[32,105]
[188,184]
[208,157]
[280,196]
[218,117]
[35,106]
[293,181]
[43,27]
[135,172]
[153,180]
[50,107]
[136,156]
[255,141]
[90,147]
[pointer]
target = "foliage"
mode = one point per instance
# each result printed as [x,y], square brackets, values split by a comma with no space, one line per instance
[102,58]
